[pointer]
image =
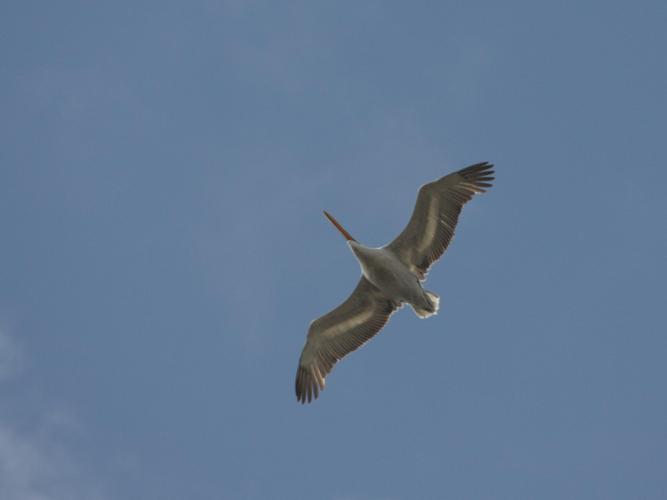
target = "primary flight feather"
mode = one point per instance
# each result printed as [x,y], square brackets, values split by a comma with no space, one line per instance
[391,276]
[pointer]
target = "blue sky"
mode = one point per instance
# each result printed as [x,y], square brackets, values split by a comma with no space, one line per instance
[163,171]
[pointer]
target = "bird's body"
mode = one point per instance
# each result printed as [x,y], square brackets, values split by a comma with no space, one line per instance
[384,269]
[391,276]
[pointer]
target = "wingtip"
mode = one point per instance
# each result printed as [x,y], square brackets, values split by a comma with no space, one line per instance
[306,386]
[480,175]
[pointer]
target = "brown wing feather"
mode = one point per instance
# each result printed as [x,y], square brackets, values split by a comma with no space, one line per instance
[338,333]
[436,214]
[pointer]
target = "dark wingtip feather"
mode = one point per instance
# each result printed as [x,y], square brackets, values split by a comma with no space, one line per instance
[479,174]
[305,386]
[477,167]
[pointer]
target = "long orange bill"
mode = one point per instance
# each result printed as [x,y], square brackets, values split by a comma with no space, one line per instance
[347,235]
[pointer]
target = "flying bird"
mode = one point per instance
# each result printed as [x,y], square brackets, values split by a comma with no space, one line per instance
[391,276]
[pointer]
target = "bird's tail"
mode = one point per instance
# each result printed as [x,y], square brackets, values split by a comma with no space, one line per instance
[433,305]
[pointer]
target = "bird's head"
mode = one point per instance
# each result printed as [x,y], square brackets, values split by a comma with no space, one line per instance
[342,230]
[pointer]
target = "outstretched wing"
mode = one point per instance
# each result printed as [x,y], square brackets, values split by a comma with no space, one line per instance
[340,332]
[436,213]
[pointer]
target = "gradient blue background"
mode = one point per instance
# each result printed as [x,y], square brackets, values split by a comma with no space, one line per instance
[163,168]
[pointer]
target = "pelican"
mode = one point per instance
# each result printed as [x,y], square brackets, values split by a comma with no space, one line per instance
[390,276]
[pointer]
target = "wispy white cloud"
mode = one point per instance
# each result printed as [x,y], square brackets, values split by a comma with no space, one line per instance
[36,462]
[36,466]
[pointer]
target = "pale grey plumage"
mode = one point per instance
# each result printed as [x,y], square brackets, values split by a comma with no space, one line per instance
[390,277]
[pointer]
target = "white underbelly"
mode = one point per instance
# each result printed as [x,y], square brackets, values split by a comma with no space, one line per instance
[392,277]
